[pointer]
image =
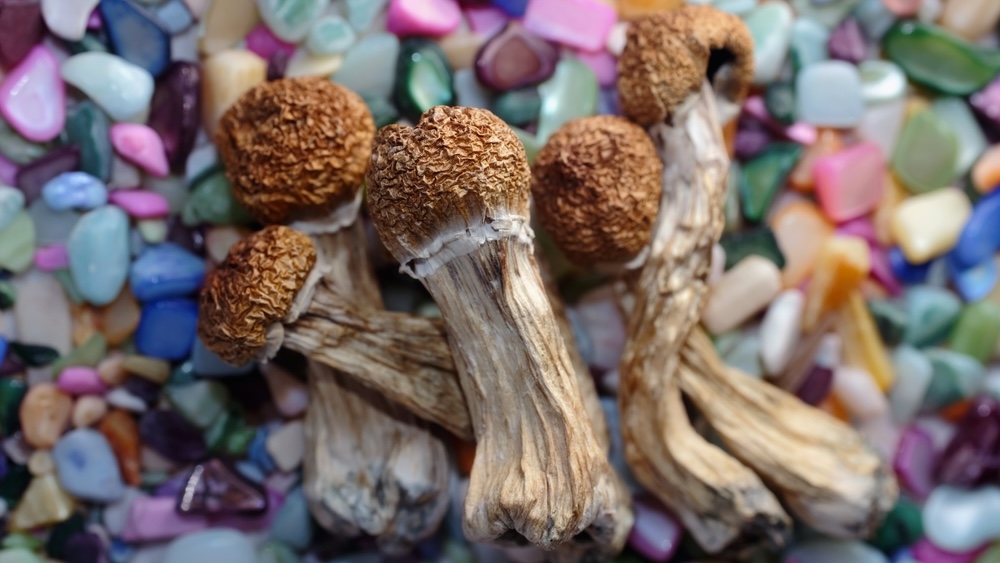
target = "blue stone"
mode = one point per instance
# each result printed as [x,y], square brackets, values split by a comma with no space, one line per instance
[164,271]
[99,254]
[292,524]
[119,551]
[973,283]
[136,36]
[87,467]
[174,16]
[904,271]
[167,329]
[513,8]
[74,190]
[3,350]
[980,238]
[208,364]
[257,452]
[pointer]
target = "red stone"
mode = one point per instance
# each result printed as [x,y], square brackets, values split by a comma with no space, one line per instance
[21,28]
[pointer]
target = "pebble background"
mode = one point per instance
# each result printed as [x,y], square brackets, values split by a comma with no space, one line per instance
[864,181]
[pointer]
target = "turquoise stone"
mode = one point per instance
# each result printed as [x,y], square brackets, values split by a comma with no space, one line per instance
[292,524]
[11,203]
[926,155]
[826,12]
[955,377]
[532,144]
[383,112]
[808,43]
[902,527]
[291,19]
[733,209]
[977,331]
[119,87]
[200,402]
[362,13]
[211,201]
[19,555]
[971,140]
[16,148]
[931,313]
[518,107]
[423,78]
[771,27]
[65,278]
[881,81]
[98,251]
[89,354]
[890,319]
[330,35]
[763,176]
[87,127]
[17,243]
[760,241]
[570,93]
[936,59]
[469,92]
[874,17]
[369,67]
[214,545]
[830,94]
[779,98]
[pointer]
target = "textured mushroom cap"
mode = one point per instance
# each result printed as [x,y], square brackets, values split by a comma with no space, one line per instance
[457,168]
[597,185]
[253,288]
[295,148]
[668,55]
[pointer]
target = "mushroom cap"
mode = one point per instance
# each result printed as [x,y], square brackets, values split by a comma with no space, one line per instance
[669,54]
[597,185]
[253,288]
[454,170]
[295,148]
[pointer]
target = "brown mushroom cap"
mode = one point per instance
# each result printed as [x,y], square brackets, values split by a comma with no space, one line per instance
[668,55]
[253,288]
[295,148]
[453,170]
[597,185]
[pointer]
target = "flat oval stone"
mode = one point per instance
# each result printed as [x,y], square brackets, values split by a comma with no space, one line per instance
[571,93]
[99,254]
[74,190]
[330,35]
[134,36]
[425,18]
[141,146]
[87,127]
[17,243]
[423,78]
[141,204]
[81,380]
[21,28]
[771,27]
[32,96]
[914,460]
[961,520]
[829,94]
[45,412]
[87,467]
[960,119]
[291,19]
[166,270]
[167,329]
[369,67]
[980,238]
[780,330]
[515,58]
[120,88]
[220,545]
[934,58]
[67,19]
[850,183]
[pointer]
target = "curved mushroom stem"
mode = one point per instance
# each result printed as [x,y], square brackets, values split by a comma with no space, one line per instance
[719,500]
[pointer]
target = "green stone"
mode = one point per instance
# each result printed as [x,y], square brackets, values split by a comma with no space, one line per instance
[229,435]
[291,19]
[89,354]
[200,402]
[457,552]
[8,295]
[55,545]
[779,98]
[763,176]
[17,243]
[16,148]
[65,278]
[977,331]
[21,540]
[733,211]
[87,127]
[90,43]
[991,555]
[12,392]
[569,94]
[331,35]
[902,527]
[173,188]
[826,12]
[34,355]
[14,483]
[881,81]
[532,144]
[971,140]
[955,377]
[277,552]
[926,154]
[935,58]
[518,107]
[20,555]
[211,201]
[382,110]
[760,241]
[890,319]
[152,231]
[424,78]
[931,313]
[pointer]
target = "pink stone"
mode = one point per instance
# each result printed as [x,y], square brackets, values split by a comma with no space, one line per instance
[486,20]
[851,182]
[926,552]
[141,204]
[914,462]
[655,534]
[51,258]
[432,18]
[8,172]
[33,97]
[155,518]
[882,272]
[263,43]
[861,227]
[801,133]
[81,380]
[95,22]
[584,24]
[141,146]
[604,65]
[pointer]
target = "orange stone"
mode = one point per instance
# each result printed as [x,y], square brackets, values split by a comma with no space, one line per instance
[861,344]
[828,142]
[45,412]
[729,136]
[628,9]
[119,319]
[122,432]
[84,323]
[844,262]
[894,194]
[986,171]
[465,456]
[801,230]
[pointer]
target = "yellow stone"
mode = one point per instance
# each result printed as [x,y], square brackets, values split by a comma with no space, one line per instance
[304,64]
[916,104]
[44,503]
[894,194]
[152,369]
[861,344]
[843,263]
[226,23]
[928,225]
[971,19]
[628,9]
[801,230]
[226,77]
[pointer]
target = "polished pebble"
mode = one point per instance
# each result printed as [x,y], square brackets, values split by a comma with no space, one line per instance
[835,551]
[843,262]
[135,36]
[422,17]
[32,96]
[226,76]
[23,28]
[44,503]
[99,254]
[913,377]
[929,225]
[87,467]
[369,66]
[45,412]
[931,314]
[287,445]
[166,328]
[771,27]
[330,35]
[291,19]
[211,546]
[17,242]
[742,292]
[926,155]
[829,94]
[980,238]
[780,330]
[584,24]
[74,190]
[141,146]
[858,392]
[81,380]
[120,88]
[914,462]
[961,520]
[851,183]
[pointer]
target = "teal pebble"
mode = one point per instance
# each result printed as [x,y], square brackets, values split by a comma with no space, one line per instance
[98,251]
[11,203]
[74,190]
[88,128]
[16,148]
[931,313]
[276,552]
[200,402]
[361,13]
[330,35]
[291,19]
[383,112]
[211,201]
[214,545]
[955,377]
[890,319]
[569,94]
[292,525]
[518,107]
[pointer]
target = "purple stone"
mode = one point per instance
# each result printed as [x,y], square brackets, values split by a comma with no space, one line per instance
[515,58]
[176,109]
[11,365]
[986,102]
[251,522]
[750,142]
[971,456]
[848,42]
[31,177]
[3,463]
[143,388]
[816,385]
[214,487]
[21,28]
[171,487]
[172,436]
[277,64]
[185,237]
[656,533]
[914,461]
[926,552]
[84,547]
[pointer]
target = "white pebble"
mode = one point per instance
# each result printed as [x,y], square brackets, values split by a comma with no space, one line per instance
[718,264]
[829,351]
[121,398]
[289,392]
[780,330]
[287,445]
[829,94]
[42,312]
[742,292]
[858,393]
[960,519]
[913,377]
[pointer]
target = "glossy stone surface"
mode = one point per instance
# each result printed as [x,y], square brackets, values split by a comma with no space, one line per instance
[515,58]
[829,94]
[801,230]
[370,66]
[423,78]
[99,254]
[764,175]
[962,520]
[934,58]
[220,545]
[74,190]
[67,19]
[929,225]
[434,18]
[980,238]
[850,184]
[32,96]
[87,127]
[583,24]
[914,462]
[970,457]
[956,377]
[330,35]
[848,42]
[21,28]
[172,436]
[570,93]
[226,76]
[291,19]
[167,328]
[120,88]
[134,36]
[760,241]
[213,487]
[771,27]
[141,146]
[17,243]
[44,413]
[87,467]
[926,155]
